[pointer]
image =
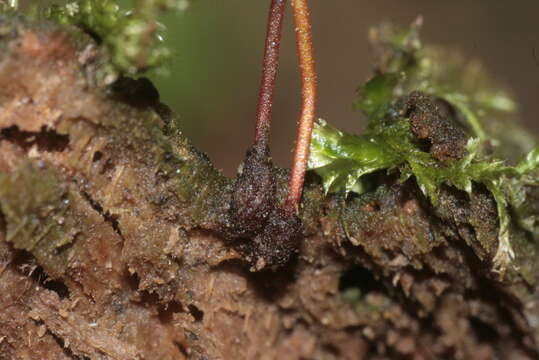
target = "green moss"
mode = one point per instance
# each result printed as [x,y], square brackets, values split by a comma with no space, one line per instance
[132,36]
[194,179]
[342,160]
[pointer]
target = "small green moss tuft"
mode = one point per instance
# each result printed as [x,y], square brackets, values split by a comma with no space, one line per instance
[133,37]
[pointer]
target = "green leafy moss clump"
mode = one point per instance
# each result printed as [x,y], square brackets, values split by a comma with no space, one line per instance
[390,143]
[132,36]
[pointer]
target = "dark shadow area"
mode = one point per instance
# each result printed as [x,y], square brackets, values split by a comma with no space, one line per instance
[25,264]
[198,314]
[45,139]
[358,277]
[167,311]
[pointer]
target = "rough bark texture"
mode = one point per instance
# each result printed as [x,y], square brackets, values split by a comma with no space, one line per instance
[112,243]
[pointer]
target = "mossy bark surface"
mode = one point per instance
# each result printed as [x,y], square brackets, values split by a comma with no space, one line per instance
[113,241]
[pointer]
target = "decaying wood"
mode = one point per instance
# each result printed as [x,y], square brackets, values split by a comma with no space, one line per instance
[112,246]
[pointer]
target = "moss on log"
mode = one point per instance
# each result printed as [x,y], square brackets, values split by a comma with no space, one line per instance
[112,243]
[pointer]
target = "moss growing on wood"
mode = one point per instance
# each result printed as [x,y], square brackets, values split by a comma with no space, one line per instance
[426,123]
[144,256]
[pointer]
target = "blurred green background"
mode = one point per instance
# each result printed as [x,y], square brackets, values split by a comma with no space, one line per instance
[218,48]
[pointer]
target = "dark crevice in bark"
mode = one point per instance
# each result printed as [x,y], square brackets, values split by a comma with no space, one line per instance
[140,93]
[45,140]
[183,349]
[66,349]
[110,218]
[484,331]
[361,278]
[197,314]
[97,156]
[167,311]
[2,225]
[25,264]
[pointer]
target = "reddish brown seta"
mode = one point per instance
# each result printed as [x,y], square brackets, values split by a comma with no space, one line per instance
[269,72]
[274,231]
[306,121]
